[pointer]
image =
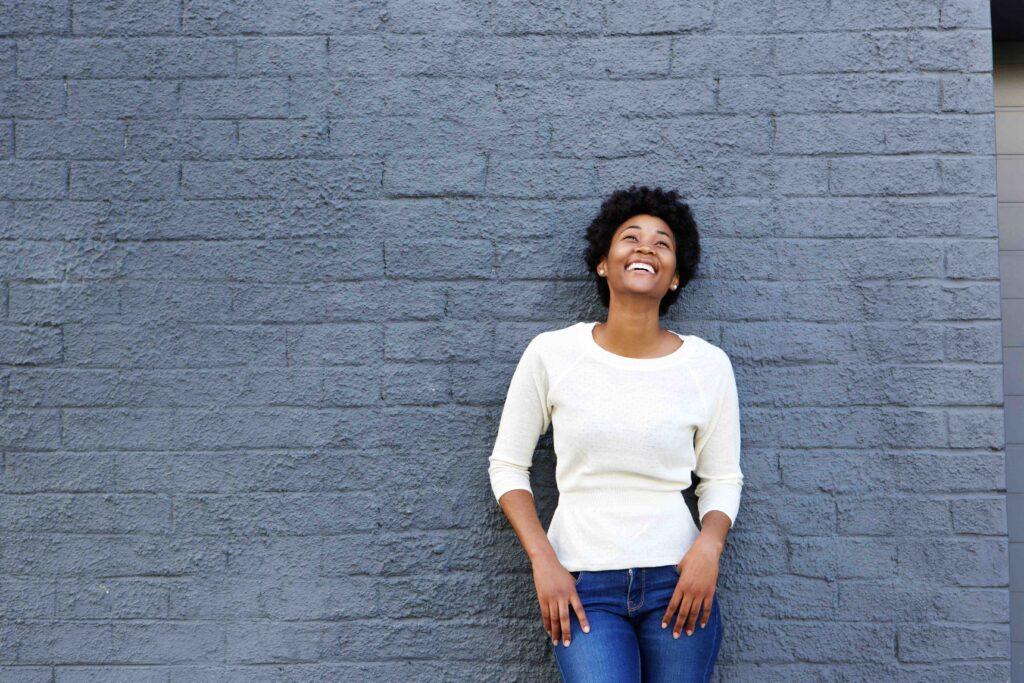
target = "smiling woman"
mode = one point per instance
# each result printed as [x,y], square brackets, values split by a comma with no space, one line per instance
[642,417]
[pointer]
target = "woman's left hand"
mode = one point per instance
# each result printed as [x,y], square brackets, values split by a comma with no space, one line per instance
[698,577]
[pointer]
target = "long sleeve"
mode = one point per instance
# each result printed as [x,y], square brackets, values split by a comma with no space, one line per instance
[717,447]
[524,418]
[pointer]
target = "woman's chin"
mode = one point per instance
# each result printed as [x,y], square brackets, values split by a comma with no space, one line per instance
[640,290]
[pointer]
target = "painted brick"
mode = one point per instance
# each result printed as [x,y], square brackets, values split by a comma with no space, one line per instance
[268,266]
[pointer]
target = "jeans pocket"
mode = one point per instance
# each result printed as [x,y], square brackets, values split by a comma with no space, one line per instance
[577,575]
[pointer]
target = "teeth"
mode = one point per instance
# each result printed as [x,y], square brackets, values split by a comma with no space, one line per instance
[641,266]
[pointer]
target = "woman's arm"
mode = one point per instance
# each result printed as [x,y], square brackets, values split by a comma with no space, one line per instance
[525,417]
[521,510]
[717,446]
[556,587]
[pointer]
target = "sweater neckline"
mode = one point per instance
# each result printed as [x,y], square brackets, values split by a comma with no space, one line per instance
[638,363]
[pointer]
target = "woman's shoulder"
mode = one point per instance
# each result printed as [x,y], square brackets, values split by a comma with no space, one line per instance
[712,356]
[561,341]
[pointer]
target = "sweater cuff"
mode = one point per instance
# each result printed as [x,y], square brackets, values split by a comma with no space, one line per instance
[722,497]
[503,482]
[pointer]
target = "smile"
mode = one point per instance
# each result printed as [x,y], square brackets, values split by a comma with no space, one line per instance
[641,267]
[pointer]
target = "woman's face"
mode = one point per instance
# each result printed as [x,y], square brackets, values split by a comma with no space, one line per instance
[642,239]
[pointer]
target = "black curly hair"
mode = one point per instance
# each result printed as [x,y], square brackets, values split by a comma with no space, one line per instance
[622,205]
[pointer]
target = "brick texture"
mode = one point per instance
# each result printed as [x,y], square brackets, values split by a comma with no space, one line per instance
[268,265]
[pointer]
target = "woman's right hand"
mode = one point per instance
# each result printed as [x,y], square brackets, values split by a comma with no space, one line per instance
[556,592]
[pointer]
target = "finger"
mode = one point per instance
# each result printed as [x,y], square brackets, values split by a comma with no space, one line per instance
[707,610]
[556,629]
[581,613]
[684,613]
[546,618]
[673,605]
[563,611]
[666,618]
[691,620]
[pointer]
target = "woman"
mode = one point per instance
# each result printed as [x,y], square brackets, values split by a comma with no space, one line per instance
[646,433]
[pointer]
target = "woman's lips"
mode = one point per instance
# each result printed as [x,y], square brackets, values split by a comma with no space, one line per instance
[642,272]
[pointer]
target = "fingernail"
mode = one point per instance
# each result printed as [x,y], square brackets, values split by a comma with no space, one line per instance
[675,635]
[690,632]
[586,629]
[664,624]
[565,642]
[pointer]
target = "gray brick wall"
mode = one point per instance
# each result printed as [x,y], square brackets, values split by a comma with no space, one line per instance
[268,266]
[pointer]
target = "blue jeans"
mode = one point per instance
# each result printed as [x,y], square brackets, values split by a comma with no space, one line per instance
[626,641]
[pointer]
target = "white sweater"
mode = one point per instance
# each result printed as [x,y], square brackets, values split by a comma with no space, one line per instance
[628,432]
